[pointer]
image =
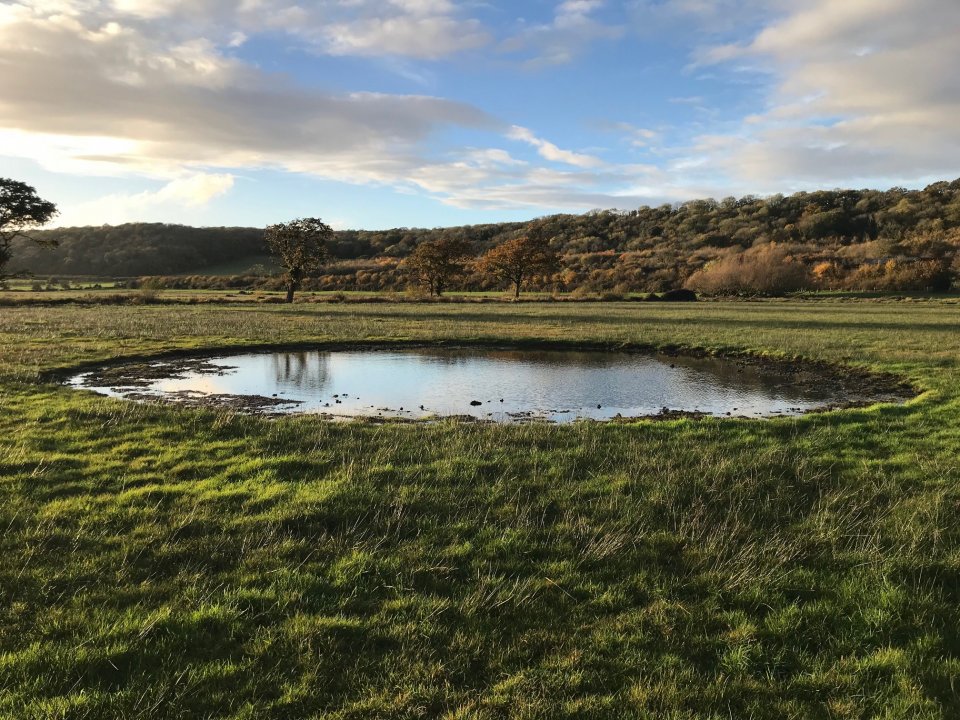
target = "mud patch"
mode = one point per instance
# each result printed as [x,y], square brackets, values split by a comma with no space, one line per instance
[145,374]
[236,403]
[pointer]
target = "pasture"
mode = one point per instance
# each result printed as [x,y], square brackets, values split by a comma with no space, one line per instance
[158,561]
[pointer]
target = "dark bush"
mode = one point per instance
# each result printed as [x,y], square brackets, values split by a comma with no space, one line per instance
[679,295]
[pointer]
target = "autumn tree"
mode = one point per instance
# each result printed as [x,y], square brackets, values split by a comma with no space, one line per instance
[301,248]
[436,262]
[20,210]
[521,258]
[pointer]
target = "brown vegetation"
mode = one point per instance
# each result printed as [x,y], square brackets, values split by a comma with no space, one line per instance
[767,270]
[435,263]
[864,240]
[521,258]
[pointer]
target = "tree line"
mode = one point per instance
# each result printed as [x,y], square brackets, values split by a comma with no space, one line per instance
[300,248]
[896,239]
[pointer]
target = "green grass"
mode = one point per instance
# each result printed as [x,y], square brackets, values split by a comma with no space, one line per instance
[160,562]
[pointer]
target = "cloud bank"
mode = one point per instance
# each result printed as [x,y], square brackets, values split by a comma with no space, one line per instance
[862,92]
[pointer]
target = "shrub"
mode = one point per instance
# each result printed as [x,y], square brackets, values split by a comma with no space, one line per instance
[902,274]
[581,292]
[144,296]
[679,295]
[767,269]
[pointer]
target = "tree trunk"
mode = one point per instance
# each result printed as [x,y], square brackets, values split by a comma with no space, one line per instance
[290,290]
[5,254]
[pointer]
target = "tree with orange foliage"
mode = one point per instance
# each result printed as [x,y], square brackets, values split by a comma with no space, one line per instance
[436,262]
[522,257]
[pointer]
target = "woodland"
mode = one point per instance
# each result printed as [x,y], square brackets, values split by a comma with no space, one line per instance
[860,240]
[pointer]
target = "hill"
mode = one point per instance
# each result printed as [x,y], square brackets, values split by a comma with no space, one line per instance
[869,239]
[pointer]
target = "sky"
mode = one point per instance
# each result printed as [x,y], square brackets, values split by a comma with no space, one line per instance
[426,113]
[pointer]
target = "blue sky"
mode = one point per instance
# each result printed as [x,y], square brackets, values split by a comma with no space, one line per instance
[386,113]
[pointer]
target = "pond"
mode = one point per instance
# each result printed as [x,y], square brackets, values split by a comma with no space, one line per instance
[500,385]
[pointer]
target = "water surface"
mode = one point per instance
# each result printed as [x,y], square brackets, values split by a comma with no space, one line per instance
[499,385]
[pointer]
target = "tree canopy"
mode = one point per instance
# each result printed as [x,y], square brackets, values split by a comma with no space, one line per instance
[21,209]
[436,262]
[300,246]
[520,258]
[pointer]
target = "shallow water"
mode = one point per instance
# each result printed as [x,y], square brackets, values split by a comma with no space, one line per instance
[509,385]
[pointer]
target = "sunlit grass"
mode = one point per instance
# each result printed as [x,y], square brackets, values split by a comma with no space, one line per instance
[163,562]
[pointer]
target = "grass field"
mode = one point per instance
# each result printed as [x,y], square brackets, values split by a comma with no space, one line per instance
[105,294]
[160,562]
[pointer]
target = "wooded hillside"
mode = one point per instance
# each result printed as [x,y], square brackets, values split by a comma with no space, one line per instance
[861,239]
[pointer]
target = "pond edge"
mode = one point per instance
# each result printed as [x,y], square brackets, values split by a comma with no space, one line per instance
[855,379]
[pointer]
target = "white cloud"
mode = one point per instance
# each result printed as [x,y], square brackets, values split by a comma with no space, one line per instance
[129,98]
[492,157]
[195,190]
[406,35]
[549,151]
[572,29]
[859,92]
[172,200]
[493,179]
[418,29]
[864,92]
[424,7]
[131,103]
[638,137]
[142,8]
[408,28]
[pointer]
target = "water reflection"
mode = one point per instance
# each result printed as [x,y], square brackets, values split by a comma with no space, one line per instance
[304,370]
[501,385]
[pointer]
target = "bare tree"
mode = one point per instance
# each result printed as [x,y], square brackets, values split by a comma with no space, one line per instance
[301,248]
[20,210]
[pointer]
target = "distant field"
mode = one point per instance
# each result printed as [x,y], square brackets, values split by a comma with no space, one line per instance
[160,562]
[22,292]
[19,292]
